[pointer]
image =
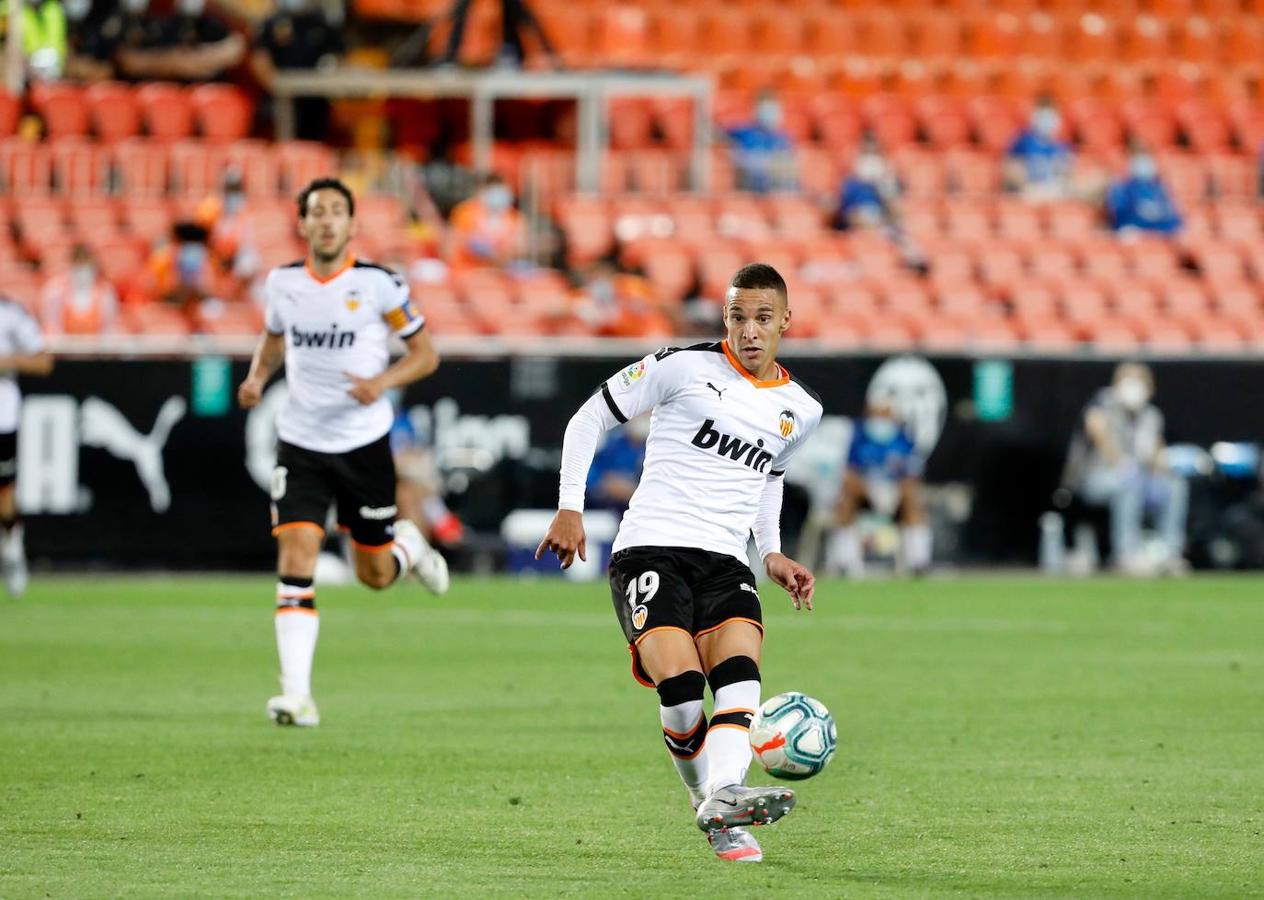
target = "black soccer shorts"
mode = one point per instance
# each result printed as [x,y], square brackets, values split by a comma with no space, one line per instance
[694,591]
[8,458]
[360,481]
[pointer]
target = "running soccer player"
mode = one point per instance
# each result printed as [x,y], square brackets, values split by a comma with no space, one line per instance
[328,319]
[726,419]
[21,353]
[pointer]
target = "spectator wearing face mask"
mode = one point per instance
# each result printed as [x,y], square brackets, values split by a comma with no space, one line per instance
[870,201]
[232,240]
[883,472]
[298,37]
[1140,203]
[183,272]
[188,45]
[79,301]
[1116,460]
[763,153]
[486,229]
[44,42]
[1038,164]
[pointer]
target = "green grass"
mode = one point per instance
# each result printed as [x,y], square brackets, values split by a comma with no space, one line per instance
[998,737]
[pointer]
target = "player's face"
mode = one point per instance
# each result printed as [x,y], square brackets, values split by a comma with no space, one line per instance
[754,319]
[328,225]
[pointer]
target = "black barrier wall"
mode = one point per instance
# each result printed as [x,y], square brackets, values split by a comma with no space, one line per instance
[150,463]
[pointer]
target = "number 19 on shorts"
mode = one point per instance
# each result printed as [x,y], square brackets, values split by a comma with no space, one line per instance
[641,590]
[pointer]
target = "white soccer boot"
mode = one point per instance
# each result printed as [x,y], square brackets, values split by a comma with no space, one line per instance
[13,562]
[289,710]
[738,805]
[428,563]
[735,845]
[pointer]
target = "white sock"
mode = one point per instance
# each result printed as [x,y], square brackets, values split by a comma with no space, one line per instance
[915,543]
[297,626]
[728,740]
[406,548]
[684,729]
[844,550]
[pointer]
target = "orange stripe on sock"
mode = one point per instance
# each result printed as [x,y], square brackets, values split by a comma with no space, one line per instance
[296,609]
[681,735]
[730,725]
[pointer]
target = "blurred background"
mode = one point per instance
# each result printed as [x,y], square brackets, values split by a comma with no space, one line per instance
[1022,238]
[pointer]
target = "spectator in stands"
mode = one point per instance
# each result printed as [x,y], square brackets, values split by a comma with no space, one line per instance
[231,240]
[89,57]
[623,303]
[486,229]
[1116,460]
[763,153]
[295,37]
[188,45]
[884,472]
[183,272]
[1140,202]
[616,467]
[1039,161]
[44,44]
[99,40]
[79,301]
[870,200]
[516,19]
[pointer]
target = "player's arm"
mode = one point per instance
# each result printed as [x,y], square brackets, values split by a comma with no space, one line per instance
[267,360]
[419,361]
[784,571]
[629,393]
[1097,427]
[40,363]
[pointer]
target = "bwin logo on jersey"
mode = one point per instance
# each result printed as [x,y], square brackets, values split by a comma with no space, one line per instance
[333,338]
[753,456]
[786,423]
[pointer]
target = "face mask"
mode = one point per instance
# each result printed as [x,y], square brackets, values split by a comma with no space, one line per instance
[881,429]
[1133,393]
[82,275]
[768,113]
[234,201]
[189,260]
[1143,167]
[77,9]
[1046,122]
[870,167]
[190,7]
[136,7]
[498,198]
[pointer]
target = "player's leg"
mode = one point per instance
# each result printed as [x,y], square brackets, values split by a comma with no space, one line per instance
[300,497]
[843,552]
[385,547]
[915,537]
[12,544]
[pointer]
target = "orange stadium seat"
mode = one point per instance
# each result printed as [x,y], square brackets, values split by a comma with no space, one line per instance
[631,123]
[223,112]
[166,110]
[10,113]
[196,168]
[621,36]
[156,319]
[779,33]
[62,107]
[673,36]
[115,111]
[94,217]
[828,32]
[724,33]
[303,162]
[79,167]
[142,168]
[27,168]
[147,218]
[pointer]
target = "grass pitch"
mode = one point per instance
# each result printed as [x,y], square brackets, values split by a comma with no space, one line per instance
[998,737]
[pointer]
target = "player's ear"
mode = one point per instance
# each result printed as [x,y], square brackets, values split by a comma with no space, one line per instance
[785,321]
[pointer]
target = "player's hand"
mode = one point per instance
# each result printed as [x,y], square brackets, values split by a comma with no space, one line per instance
[250,393]
[796,579]
[565,538]
[366,390]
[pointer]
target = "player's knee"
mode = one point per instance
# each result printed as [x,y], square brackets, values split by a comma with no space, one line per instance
[681,698]
[682,688]
[374,577]
[733,670]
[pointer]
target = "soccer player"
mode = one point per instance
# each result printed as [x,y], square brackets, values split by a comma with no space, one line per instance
[21,353]
[726,419]
[328,319]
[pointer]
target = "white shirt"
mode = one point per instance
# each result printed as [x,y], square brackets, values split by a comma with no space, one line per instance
[718,445]
[19,335]
[334,326]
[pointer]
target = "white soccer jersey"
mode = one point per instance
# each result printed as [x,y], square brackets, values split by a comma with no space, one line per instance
[19,334]
[717,435]
[334,326]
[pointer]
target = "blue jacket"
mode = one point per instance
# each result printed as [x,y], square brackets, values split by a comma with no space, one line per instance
[1044,158]
[893,459]
[1142,203]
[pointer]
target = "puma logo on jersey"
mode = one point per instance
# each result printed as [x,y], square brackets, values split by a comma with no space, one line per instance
[333,338]
[753,456]
[719,392]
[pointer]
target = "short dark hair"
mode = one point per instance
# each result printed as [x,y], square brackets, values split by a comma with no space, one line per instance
[323,184]
[760,276]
